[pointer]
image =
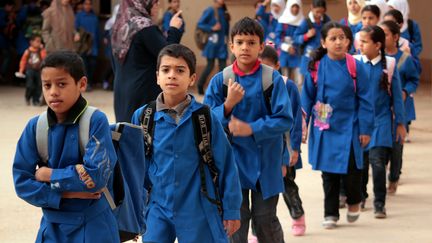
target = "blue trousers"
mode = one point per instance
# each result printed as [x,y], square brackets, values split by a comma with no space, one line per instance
[378,157]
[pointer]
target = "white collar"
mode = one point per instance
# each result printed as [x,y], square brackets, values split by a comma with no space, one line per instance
[373,61]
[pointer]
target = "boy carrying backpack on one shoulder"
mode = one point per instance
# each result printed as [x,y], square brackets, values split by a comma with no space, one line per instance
[194,190]
[54,175]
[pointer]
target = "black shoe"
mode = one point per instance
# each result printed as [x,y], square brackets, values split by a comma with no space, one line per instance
[363,204]
[380,212]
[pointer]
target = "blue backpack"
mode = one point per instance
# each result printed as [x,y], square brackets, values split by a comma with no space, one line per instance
[129,196]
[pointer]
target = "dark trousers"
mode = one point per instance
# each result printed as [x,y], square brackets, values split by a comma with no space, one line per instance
[263,214]
[396,162]
[291,195]
[210,64]
[351,182]
[33,85]
[90,63]
[378,157]
[365,177]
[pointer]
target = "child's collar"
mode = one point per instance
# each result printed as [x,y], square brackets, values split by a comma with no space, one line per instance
[240,73]
[73,115]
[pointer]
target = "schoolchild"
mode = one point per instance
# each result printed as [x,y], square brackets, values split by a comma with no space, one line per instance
[354,15]
[270,18]
[214,20]
[307,34]
[291,194]
[382,5]
[177,207]
[410,79]
[397,17]
[67,183]
[338,103]
[389,109]
[173,8]
[257,118]
[30,69]
[370,15]
[290,54]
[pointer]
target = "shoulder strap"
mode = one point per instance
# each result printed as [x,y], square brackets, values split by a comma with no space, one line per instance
[391,65]
[147,123]
[411,29]
[309,23]
[42,137]
[201,120]
[352,69]
[314,73]
[84,127]
[267,85]
[227,73]
[402,59]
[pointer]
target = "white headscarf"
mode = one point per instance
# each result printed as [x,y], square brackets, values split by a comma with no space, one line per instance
[382,5]
[355,18]
[281,3]
[403,7]
[288,18]
[110,22]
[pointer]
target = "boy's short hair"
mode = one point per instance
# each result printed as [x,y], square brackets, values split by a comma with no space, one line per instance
[34,36]
[70,61]
[247,26]
[176,51]
[271,54]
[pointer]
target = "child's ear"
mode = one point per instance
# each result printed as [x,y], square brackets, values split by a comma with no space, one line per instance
[278,65]
[231,46]
[323,43]
[379,45]
[192,79]
[82,83]
[157,78]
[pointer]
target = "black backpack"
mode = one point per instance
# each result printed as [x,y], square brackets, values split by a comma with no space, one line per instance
[201,36]
[201,120]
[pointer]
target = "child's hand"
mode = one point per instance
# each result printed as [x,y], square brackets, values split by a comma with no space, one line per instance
[176,21]
[239,128]
[404,95]
[311,33]
[217,27]
[43,174]
[294,157]
[400,133]
[235,93]
[77,37]
[364,140]
[82,195]
[284,170]
[231,226]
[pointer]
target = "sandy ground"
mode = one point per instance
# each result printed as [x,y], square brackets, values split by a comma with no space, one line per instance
[409,211]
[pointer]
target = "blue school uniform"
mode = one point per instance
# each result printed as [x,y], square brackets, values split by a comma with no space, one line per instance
[309,44]
[386,106]
[415,40]
[296,129]
[216,46]
[285,33]
[263,18]
[69,220]
[177,207]
[90,23]
[166,22]
[354,27]
[410,79]
[329,150]
[259,156]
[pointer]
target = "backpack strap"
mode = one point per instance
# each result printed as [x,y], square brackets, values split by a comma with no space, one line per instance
[391,66]
[147,123]
[201,120]
[84,127]
[314,73]
[42,137]
[402,59]
[352,69]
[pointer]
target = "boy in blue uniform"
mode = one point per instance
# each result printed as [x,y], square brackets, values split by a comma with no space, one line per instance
[67,186]
[177,207]
[257,127]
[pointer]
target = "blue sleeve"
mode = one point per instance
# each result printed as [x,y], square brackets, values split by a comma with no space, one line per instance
[416,40]
[398,104]
[261,12]
[204,22]
[300,31]
[229,182]
[365,101]
[279,31]
[296,130]
[308,96]
[98,161]
[166,21]
[280,120]
[214,97]
[410,75]
[24,166]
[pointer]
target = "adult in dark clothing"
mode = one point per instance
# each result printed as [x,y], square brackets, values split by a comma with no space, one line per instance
[136,43]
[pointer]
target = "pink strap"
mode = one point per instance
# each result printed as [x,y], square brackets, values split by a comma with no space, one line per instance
[352,69]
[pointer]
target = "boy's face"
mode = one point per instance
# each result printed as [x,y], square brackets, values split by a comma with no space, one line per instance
[88,6]
[174,76]
[60,90]
[36,42]
[246,48]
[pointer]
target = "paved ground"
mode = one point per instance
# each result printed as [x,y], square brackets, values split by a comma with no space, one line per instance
[409,212]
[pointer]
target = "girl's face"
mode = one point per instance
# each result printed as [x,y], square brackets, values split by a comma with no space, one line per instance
[276,8]
[155,9]
[175,5]
[335,43]
[369,19]
[318,12]
[295,9]
[367,47]
[353,7]
[390,40]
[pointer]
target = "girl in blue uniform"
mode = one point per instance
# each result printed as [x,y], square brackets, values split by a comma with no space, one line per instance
[389,109]
[340,111]
[173,8]
[68,185]
[397,17]
[410,79]
[215,21]
[353,21]
[270,19]
[289,52]
[177,207]
[370,15]
[307,34]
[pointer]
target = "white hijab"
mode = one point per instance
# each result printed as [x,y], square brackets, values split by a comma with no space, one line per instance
[288,18]
[403,7]
[281,3]
[382,5]
[355,18]
[110,22]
